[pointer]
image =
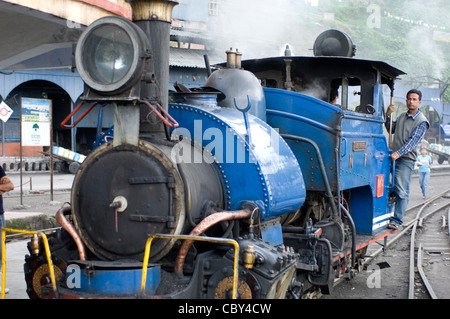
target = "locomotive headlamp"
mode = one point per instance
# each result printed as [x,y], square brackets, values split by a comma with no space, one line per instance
[111,57]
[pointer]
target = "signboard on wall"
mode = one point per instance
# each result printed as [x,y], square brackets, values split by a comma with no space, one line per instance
[5,111]
[36,122]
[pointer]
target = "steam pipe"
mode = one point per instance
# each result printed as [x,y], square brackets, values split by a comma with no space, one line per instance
[61,219]
[353,230]
[392,115]
[321,166]
[207,65]
[205,224]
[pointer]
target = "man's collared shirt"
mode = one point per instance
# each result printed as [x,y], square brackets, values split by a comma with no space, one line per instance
[415,138]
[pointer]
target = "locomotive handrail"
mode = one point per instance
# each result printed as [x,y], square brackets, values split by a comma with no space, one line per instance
[391,185]
[244,111]
[362,117]
[63,123]
[170,121]
[190,237]
[47,253]
[303,119]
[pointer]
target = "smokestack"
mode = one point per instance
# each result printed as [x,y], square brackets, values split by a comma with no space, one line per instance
[155,18]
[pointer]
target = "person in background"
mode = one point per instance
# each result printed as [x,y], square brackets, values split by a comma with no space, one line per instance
[424,162]
[5,186]
[334,96]
[409,130]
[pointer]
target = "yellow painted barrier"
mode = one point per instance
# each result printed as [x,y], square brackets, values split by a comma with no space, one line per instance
[47,253]
[198,238]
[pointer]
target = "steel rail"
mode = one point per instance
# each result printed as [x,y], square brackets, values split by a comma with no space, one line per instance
[448,221]
[412,225]
[422,273]
[406,228]
[417,222]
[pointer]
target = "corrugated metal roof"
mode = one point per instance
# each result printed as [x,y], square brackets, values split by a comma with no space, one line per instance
[190,58]
[187,35]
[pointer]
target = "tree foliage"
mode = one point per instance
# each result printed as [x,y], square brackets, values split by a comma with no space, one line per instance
[399,32]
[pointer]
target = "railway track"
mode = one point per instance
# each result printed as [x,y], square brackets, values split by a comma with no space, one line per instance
[430,251]
[429,248]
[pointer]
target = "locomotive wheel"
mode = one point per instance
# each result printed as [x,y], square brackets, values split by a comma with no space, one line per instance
[224,289]
[37,274]
[220,285]
[41,277]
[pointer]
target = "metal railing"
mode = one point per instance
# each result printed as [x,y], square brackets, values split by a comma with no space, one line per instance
[145,261]
[198,238]
[47,253]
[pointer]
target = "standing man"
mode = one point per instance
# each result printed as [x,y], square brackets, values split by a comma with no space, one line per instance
[5,186]
[408,131]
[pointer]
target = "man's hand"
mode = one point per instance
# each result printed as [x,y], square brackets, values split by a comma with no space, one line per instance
[395,156]
[390,109]
[6,185]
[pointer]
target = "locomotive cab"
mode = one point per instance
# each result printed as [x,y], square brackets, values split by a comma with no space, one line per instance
[348,131]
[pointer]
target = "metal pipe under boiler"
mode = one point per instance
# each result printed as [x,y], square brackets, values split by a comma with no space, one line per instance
[61,219]
[201,228]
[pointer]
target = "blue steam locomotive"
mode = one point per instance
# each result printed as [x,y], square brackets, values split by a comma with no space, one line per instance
[268,182]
